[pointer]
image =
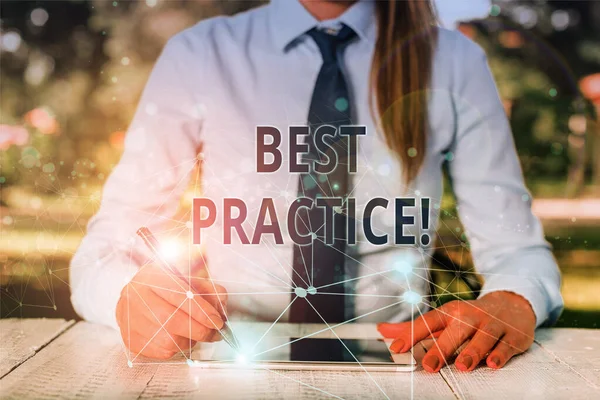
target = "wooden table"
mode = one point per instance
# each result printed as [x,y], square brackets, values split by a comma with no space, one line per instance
[45,358]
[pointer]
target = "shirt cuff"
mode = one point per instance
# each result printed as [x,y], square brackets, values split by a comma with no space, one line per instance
[99,289]
[534,276]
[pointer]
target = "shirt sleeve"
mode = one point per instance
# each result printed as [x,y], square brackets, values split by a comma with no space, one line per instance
[144,189]
[506,238]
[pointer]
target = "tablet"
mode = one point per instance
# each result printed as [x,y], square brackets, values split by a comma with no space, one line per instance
[310,354]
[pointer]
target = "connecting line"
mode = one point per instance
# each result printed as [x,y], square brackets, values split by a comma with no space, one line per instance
[128,323]
[259,284]
[300,382]
[224,312]
[362,264]
[215,326]
[162,327]
[244,293]
[379,296]
[412,340]
[346,347]
[290,277]
[356,278]
[274,322]
[333,327]
[158,287]
[184,176]
[439,350]
[257,266]
[486,313]
[308,276]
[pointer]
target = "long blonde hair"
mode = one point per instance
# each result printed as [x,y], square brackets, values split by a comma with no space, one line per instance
[401,75]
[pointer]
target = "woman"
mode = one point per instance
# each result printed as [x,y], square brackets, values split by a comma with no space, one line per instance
[425,96]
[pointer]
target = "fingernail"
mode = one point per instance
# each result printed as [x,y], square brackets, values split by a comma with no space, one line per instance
[431,363]
[397,345]
[494,362]
[216,319]
[464,363]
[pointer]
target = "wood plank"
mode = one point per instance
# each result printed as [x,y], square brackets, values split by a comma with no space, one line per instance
[20,339]
[577,348]
[185,382]
[86,361]
[537,374]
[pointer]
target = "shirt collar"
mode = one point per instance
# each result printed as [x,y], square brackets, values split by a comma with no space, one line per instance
[289,20]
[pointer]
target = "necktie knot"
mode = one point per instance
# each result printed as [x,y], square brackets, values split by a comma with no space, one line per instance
[330,41]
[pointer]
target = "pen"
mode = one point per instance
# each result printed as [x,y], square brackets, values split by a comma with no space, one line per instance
[150,241]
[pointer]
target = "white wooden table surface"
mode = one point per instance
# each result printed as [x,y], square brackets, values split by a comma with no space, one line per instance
[53,358]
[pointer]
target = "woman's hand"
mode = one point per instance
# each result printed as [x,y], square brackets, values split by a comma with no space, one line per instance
[499,324]
[159,315]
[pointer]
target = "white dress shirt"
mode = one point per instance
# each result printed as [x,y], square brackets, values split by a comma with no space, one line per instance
[215,82]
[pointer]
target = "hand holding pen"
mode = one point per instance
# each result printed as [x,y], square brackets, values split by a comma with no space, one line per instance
[225,331]
[161,314]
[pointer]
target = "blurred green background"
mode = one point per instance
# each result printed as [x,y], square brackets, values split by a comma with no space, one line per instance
[72,71]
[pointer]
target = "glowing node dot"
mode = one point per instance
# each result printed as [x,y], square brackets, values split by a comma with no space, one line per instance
[129,364]
[190,362]
[495,10]
[313,235]
[553,92]
[189,294]
[336,186]
[300,292]
[412,297]
[525,197]
[412,152]
[403,266]
[170,250]
[341,104]
[312,290]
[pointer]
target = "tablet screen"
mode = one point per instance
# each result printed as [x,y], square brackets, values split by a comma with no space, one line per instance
[336,350]
[306,350]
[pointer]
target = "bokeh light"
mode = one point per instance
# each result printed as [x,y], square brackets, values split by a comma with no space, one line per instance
[39,17]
